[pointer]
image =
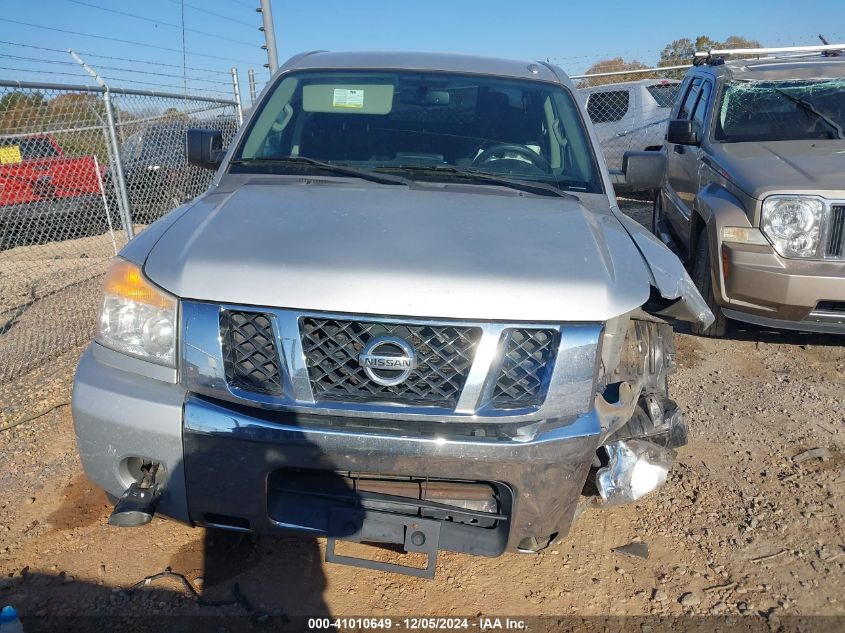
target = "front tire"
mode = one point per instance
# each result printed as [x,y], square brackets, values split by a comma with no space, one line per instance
[703,278]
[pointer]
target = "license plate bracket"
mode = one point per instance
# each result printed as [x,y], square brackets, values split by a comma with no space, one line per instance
[360,524]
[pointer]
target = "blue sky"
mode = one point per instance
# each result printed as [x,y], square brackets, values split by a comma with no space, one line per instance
[574,34]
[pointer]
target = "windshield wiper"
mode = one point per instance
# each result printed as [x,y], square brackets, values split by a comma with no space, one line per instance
[809,107]
[344,170]
[529,186]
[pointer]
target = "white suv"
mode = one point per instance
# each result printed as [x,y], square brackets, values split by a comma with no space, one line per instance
[630,115]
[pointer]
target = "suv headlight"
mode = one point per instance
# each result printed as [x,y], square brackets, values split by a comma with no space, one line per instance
[793,224]
[137,318]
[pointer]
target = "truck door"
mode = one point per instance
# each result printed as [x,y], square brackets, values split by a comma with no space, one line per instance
[683,160]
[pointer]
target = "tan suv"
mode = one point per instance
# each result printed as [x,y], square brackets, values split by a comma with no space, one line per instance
[754,191]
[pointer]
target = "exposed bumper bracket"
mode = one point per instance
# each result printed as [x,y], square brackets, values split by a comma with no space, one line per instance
[137,505]
[357,524]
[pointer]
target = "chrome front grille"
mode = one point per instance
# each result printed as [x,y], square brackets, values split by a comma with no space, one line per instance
[466,372]
[332,347]
[835,246]
[525,369]
[250,355]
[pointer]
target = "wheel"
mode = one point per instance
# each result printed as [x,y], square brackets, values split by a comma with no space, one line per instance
[703,279]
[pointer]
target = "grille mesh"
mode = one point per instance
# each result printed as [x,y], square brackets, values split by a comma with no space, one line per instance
[250,356]
[444,356]
[836,236]
[526,364]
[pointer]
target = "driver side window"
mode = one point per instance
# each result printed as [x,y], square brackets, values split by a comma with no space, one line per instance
[700,111]
[688,102]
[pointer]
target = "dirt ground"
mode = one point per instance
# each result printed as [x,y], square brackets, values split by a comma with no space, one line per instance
[745,527]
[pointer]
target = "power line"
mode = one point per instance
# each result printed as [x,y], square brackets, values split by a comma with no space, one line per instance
[218,15]
[120,59]
[121,41]
[162,23]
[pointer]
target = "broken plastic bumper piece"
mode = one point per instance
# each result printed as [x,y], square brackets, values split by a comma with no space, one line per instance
[635,468]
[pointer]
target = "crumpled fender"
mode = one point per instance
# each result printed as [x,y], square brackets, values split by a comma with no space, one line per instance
[669,276]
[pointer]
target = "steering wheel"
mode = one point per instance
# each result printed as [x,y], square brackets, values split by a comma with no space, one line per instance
[522,150]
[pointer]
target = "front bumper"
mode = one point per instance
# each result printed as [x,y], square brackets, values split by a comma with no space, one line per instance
[762,288]
[231,453]
[52,209]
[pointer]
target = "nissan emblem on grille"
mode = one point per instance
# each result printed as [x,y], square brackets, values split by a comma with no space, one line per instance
[388,360]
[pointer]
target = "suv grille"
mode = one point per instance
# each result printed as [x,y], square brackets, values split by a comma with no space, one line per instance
[831,306]
[836,235]
[522,378]
[250,356]
[444,356]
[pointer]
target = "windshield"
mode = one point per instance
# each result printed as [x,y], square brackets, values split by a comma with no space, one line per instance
[422,126]
[781,110]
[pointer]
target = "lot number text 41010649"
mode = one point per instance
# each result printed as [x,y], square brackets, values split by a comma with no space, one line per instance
[424,623]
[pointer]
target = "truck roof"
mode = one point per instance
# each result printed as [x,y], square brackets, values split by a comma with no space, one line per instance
[392,60]
[774,68]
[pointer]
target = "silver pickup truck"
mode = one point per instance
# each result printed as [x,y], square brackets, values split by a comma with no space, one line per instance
[408,310]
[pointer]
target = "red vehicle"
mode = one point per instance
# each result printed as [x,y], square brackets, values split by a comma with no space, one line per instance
[38,183]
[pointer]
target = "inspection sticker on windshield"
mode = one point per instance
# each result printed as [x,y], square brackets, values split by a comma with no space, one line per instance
[348,98]
[10,155]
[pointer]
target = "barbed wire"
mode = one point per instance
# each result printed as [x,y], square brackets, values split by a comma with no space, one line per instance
[115,82]
[180,87]
[80,75]
[114,68]
[120,59]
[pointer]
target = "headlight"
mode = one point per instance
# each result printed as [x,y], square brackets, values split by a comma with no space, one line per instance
[137,318]
[793,224]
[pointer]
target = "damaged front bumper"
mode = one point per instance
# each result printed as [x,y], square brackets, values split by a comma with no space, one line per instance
[241,468]
[230,458]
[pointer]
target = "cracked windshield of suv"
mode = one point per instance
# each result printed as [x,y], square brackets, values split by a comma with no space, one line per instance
[441,127]
[781,110]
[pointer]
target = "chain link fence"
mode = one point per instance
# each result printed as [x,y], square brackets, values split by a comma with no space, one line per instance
[630,109]
[81,170]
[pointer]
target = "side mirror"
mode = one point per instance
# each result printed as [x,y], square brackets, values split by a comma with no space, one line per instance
[643,170]
[682,132]
[205,148]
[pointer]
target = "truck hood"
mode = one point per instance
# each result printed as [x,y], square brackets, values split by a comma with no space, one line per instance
[783,166]
[430,251]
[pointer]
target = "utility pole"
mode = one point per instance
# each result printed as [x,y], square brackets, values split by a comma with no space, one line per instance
[266,12]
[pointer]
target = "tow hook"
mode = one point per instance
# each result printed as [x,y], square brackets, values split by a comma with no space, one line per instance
[137,505]
[635,468]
